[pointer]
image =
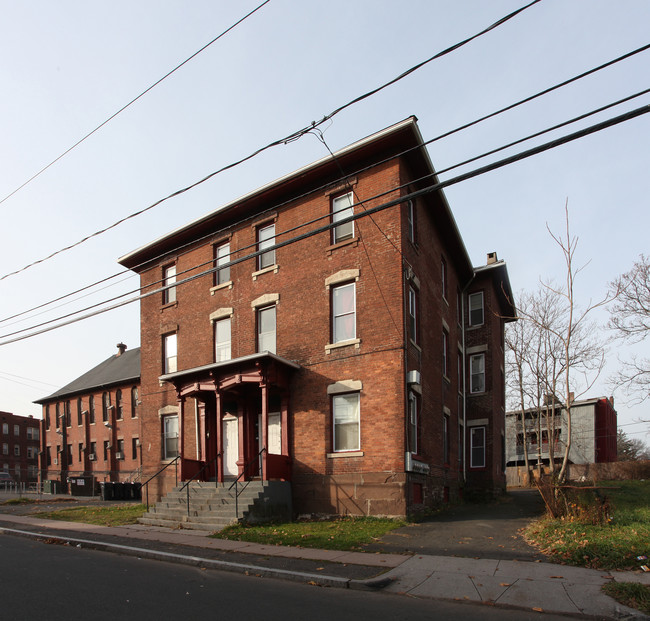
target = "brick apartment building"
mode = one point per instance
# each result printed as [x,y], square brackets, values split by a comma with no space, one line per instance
[20,445]
[91,426]
[283,340]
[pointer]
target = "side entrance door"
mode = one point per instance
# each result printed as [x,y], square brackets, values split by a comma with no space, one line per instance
[230,446]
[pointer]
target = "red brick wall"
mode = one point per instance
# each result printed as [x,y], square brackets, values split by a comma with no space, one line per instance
[10,440]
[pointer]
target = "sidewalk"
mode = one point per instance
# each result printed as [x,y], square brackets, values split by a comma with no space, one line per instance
[544,587]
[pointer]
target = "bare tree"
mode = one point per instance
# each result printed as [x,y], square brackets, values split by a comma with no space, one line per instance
[630,319]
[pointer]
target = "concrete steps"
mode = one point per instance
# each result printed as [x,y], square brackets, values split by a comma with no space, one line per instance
[213,506]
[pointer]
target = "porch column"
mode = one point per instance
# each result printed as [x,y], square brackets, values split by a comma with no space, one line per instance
[265,429]
[219,416]
[181,432]
[284,423]
[201,432]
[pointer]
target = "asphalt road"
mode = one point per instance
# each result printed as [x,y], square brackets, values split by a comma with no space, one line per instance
[490,530]
[55,582]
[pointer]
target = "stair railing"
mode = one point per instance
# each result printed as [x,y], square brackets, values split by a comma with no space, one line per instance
[187,483]
[146,483]
[243,472]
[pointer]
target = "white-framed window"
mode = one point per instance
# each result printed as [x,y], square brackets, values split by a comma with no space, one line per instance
[31,452]
[170,353]
[266,329]
[17,427]
[5,448]
[413,422]
[265,239]
[344,322]
[476,309]
[222,340]
[346,422]
[5,428]
[445,353]
[134,402]
[410,220]
[33,433]
[477,447]
[477,373]
[170,437]
[169,278]
[413,314]
[222,257]
[342,207]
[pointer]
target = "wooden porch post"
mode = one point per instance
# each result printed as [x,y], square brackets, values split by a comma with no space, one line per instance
[284,422]
[265,429]
[219,415]
[181,431]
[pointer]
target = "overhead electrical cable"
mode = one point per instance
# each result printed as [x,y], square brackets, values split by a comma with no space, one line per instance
[282,141]
[142,94]
[627,116]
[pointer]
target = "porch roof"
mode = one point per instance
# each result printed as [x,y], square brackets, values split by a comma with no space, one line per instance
[228,364]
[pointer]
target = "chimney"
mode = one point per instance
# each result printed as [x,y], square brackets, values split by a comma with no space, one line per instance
[491,258]
[121,348]
[611,400]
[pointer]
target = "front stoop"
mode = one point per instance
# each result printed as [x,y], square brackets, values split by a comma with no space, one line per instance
[212,506]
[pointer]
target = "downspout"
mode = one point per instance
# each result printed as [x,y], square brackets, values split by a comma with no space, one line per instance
[196,428]
[462,331]
[408,494]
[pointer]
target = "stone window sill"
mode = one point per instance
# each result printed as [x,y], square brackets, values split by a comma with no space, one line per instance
[271,268]
[330,347]
[345,454]
[223,285]
[354,242]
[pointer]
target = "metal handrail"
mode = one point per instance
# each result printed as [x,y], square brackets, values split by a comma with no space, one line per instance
[243,472]
[146,483]
[185,486]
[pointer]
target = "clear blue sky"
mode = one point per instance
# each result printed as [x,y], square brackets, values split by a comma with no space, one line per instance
[68,65]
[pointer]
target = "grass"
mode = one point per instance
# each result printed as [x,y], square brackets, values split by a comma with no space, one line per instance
[349,533]
[612,545]
[18,501]
[630,594]
[115,515]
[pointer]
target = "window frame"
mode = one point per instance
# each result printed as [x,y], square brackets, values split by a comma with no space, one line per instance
[413,422]
[80,418]
[91,409]
[357,421]
[221,274]
[134,401]
[221,345]
[169,435]
[169,273]
[341,213]
[410,220]
[413,313]
[482,448]
[106,402]
[266,259]
[480,373]
[169,360]
[335,338]
[119,408]
[481,309]
[259,335]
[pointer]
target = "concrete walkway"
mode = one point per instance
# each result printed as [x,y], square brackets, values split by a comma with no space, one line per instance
[543,587]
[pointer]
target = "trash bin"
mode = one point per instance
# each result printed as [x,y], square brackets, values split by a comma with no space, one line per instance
[107,490]
[137,491]
[118,491]
[82,485]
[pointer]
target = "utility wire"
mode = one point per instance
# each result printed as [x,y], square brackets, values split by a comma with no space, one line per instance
[359,202]
[282,141]
[392,203]
[142,94]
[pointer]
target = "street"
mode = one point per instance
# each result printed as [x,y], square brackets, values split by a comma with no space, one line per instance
[51,581]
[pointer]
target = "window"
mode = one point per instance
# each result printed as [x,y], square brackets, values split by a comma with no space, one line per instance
[170,437]
[344,313]
[346,422]
[134,448]
[120,449]
[48,456]
[459,307]
[413,314]
[445,439]
[222,336]
[410,221]
[443,277]
[461,443]
[5,429]
[33,433]
[222,257]
[476,309]
[118,404]
[265,239]
[477,447]
[47,417]
[91,409]
[17,427]
[445,353]
[413,422]
[170,353]
[58,415]
[16,450]
[106,402]
[342,208]
[477,372]
[266,329]
[134,402]
[93,449]
[80,450]
[169,279]
[66,413]
[80,418]
[5,448]
[107,445]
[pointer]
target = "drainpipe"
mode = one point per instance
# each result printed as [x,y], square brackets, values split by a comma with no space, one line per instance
[462,330]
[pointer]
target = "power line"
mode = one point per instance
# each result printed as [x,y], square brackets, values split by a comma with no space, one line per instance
[325,216]
[142,94]
[392,203]
[282,141]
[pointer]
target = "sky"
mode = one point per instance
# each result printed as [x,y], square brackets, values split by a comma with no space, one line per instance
[70,65]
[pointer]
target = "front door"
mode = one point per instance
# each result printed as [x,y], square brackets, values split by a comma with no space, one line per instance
[230,446]
[275,433]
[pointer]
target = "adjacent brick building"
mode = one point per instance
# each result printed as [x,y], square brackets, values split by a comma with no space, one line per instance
[284,339]
[91,426]
[19,446]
